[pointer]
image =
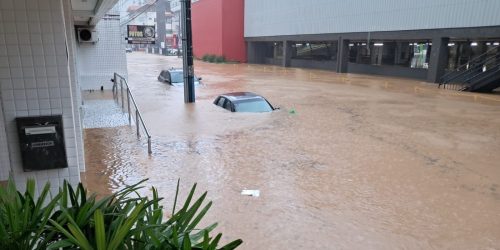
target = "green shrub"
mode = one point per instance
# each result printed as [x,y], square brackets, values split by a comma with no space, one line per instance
[211,58]
[220,59]
[72,219]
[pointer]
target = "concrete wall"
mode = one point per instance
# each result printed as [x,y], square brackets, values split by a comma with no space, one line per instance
[35,79]
[385,70]
[313,64]
[97,62]
[294,17]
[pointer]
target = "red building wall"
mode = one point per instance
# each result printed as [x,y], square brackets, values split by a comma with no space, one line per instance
[218,29]
[233,41]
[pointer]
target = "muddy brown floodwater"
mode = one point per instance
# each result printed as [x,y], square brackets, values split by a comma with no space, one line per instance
[364,162]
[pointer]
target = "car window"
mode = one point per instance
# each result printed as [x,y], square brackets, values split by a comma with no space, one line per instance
[221,101]
[258,105]
[177,77]
[227,105]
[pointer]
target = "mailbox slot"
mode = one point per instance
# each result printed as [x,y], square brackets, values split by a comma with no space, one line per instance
[41,141]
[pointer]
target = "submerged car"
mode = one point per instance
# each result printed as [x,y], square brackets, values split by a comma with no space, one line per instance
[243,102]
[128,50]
[175,77]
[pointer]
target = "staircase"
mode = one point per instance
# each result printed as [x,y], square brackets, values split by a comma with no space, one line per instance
[481,74]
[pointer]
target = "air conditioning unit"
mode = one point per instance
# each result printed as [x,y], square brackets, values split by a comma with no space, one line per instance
[87,35]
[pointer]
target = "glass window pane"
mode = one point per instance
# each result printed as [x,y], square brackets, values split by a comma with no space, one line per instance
[253,106]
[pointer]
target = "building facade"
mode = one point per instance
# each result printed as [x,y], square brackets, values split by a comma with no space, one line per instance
[43,63]
[415,39]
[218,29]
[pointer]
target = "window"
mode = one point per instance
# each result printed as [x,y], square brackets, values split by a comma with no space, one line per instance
[177,77]
[253,106]
[421,55]
[461,52]
[398,53]
[221,102]
[315,51]
[227,105]
[278,50]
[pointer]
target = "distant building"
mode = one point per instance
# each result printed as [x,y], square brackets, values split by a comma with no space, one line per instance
[218,29]
[175,8]
[146,14]
[416,39]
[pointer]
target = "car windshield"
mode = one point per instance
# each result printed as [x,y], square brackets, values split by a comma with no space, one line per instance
[177,77]
[256,105]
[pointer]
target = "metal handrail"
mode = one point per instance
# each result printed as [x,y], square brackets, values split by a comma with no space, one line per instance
[129,96]
[469,79]
[475,65]
[465,65]
[464,77]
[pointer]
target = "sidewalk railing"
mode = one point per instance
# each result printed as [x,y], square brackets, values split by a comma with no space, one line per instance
[125,99]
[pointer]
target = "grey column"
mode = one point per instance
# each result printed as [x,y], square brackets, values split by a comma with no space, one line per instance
[439,59]
[252,52]
[342,55]
[287,54]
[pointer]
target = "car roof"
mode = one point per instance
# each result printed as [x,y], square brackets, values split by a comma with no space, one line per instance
[173,70]
[240,96]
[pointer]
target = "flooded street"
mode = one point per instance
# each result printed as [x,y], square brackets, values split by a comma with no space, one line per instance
[348,162]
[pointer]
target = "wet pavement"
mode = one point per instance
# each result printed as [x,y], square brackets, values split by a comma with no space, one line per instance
[349,162]
[99,110]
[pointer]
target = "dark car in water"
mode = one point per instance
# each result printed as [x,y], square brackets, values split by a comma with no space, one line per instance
[175,77]
[243,102]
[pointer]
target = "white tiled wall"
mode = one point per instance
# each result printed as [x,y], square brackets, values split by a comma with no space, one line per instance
[35,78]
[4,154]
[97,62]
[75,88]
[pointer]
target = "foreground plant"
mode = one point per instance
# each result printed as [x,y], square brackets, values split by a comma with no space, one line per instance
[125,220]
[23,219]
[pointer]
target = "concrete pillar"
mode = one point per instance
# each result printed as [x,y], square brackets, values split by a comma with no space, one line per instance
[439,59]
[287,53]
[257,51]
[251,52]
[342,55]
[397,53]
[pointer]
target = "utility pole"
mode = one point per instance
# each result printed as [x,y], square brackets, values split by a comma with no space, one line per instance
[161,7]
[187,51]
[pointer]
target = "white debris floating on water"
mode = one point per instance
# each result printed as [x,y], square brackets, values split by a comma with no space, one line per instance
[254,193]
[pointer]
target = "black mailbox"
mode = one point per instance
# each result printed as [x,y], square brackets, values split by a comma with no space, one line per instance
[42,142]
